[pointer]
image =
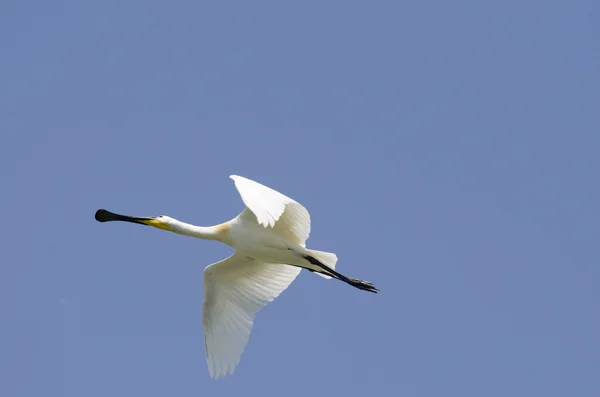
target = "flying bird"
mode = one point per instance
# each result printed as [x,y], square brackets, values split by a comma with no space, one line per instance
[269,237]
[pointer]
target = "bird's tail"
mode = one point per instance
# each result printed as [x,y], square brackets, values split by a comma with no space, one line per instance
[327,258]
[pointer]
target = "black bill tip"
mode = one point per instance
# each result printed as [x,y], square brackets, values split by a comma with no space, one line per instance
[103,215]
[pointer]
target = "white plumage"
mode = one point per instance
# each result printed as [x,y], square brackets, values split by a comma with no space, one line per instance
[269,237]
[235,289]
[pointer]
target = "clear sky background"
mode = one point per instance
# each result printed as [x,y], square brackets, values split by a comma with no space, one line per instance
[447,151]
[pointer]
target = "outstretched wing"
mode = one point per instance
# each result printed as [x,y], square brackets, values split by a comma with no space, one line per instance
[235,289]
[273,209]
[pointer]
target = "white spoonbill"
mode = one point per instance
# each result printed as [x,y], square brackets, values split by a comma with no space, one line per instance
[269,238]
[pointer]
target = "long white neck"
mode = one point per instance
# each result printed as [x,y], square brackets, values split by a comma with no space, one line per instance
[204,232]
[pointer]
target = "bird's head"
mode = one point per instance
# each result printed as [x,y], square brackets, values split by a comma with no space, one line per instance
[160,222]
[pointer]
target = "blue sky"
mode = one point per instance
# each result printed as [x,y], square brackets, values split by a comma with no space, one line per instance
[447,151]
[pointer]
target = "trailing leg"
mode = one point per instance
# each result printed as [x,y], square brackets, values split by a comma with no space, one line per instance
[323,269]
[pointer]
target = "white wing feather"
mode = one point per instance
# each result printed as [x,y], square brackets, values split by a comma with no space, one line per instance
[235,289]
[273,209]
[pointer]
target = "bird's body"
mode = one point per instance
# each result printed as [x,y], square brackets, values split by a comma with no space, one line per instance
[269,238]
